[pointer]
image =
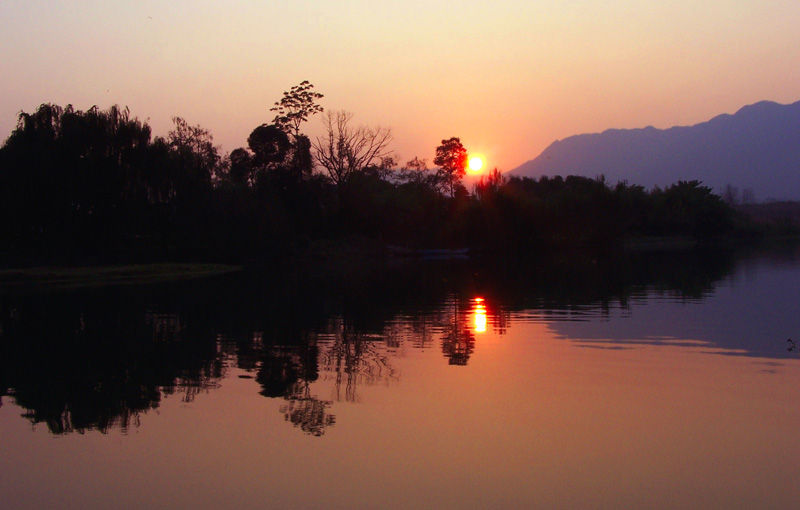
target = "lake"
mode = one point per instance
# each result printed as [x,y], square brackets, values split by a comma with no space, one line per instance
[639,380]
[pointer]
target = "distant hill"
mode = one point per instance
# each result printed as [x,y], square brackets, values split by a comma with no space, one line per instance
[757,149]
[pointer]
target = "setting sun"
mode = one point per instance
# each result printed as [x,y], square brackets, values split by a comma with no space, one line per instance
[475,163]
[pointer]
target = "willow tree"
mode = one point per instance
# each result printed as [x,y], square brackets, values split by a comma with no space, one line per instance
[197,144]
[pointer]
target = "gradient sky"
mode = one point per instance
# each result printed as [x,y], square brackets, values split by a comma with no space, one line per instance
[507,76]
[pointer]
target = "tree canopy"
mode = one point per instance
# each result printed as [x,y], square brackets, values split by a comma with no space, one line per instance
[96,183]
[451,156]
[296,105]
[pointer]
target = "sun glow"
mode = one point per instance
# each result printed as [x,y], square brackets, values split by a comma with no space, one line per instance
[475,163]
[479,318]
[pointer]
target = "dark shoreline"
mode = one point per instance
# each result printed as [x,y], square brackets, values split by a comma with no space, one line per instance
[62,277]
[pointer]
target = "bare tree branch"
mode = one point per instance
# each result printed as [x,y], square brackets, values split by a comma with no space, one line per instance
[346,150]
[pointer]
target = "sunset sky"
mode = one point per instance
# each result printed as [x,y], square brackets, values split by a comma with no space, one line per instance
[507,76]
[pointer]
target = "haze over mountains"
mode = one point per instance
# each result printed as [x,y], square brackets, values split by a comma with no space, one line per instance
[757,149]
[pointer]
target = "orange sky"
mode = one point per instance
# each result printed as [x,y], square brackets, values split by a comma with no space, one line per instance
[508,77]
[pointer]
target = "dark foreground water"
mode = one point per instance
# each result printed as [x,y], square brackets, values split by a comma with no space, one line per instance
[660,380]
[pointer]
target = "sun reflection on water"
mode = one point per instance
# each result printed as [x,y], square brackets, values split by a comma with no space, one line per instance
[479,315]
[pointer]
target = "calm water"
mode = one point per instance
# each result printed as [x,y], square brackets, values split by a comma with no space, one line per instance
[649,381]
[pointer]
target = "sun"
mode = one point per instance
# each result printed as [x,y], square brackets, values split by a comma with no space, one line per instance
[475,163]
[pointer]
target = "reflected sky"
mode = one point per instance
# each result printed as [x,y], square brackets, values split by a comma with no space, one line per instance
[751,311]
[94,360]
[452,391]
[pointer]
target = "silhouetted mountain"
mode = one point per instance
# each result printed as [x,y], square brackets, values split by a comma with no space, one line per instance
[758,148]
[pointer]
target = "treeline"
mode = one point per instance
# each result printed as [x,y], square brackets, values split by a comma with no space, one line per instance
[97,184]
[75,183]
[556,211]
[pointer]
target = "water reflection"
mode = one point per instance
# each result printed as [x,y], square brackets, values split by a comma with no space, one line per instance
[458,340]
[287,371]
[80,365]
[96,360]
[479,315]
[352,358]
[308,412]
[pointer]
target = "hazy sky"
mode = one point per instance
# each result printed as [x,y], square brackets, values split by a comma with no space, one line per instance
[507,76]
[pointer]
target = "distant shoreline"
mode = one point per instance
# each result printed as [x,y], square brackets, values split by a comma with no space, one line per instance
[56,277]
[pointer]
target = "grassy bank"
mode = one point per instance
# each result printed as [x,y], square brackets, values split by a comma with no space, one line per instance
[68,277]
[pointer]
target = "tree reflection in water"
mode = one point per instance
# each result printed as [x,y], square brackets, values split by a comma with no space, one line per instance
[306,411]
[287,371]
[168,328]
[80,364]
[98,362]
[460,325]
[98,359]
[458,344]
[355,357]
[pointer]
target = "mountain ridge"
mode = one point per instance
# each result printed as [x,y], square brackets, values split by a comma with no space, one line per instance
[756,149]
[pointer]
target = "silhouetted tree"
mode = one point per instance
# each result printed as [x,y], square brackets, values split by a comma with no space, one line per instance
[302,162]
[295,107]
[488,185]
[196,143]
[688,207]
[241,166]
[270,146]
[346,150]
[70,178]
[414,171]
[451,157]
